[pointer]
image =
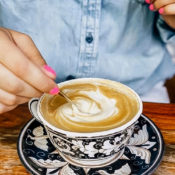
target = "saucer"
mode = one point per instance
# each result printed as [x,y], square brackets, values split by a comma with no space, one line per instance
[142,155]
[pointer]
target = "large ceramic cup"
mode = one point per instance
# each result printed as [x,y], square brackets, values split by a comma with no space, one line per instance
[95,149]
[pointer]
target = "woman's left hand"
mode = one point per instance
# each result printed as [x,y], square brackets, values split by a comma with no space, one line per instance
[166,8]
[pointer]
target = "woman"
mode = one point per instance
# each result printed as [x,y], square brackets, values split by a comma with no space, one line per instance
[122,40]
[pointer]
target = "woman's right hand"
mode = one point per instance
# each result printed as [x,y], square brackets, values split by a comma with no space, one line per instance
[23,72]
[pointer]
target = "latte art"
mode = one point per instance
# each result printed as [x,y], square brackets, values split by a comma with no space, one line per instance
[97,107]
[93,106]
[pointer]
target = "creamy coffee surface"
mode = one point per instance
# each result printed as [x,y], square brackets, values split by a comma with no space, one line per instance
[98,107]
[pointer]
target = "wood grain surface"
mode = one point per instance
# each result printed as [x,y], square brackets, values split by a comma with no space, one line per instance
[12,122]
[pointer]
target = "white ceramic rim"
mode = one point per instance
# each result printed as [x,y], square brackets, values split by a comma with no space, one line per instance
[92,134]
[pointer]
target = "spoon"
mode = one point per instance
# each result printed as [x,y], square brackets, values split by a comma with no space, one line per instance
[66,97]
[69,100]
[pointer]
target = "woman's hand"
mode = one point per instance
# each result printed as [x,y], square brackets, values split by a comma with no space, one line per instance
[23,72]
[166,8]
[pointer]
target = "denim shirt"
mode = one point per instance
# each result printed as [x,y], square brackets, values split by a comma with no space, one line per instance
[120,40]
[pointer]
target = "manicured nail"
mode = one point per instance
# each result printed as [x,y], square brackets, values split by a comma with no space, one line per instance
[49,69]
[151,7]
[148,1]
[161,10]
[54,91]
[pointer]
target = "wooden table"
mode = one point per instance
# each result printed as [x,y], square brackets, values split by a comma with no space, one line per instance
[11,123]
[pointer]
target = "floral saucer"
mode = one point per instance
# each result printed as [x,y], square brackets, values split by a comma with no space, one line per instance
[142,155]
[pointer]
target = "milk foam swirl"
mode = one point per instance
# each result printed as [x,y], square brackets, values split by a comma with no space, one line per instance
[101,106]
[93,106]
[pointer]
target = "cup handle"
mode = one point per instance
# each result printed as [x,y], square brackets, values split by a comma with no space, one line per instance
[33,108]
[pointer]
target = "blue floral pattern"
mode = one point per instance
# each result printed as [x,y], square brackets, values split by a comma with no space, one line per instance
[141,156]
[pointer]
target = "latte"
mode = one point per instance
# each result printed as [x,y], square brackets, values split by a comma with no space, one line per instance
[99,106]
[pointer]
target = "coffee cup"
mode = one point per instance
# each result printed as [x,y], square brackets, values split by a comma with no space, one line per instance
[102,145]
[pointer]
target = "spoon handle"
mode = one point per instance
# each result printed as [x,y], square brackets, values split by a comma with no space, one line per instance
[66,97]
[69,101]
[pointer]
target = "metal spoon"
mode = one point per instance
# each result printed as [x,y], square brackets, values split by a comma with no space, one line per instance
[66,97]
[69,100]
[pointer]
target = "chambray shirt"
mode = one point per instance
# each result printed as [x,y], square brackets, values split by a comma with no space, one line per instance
[120,40]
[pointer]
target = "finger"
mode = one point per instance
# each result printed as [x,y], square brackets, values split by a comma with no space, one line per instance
[26,44]
[9,35]
[5,108]
[150,1]
[28,47]
[161,3]
[10,99]
[15,85]
[18,63]
[167,10]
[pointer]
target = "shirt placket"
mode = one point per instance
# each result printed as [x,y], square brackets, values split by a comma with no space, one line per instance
[89,37]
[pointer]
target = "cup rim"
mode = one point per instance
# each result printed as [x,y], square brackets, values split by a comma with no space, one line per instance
[92,134]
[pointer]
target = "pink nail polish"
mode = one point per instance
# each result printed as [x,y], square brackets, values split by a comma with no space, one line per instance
[148,1]
[49,69]
[54,91]
[161,10]
[151,7]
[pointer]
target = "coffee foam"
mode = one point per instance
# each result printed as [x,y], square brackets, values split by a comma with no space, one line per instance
[93,106]
[100,107]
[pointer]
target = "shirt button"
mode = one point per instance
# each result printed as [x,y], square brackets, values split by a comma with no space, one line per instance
[89,38]
[70,77]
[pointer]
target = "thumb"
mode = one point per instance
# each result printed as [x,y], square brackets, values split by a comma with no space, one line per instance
[27,46]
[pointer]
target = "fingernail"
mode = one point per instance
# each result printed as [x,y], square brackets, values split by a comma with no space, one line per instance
[54,91]
[151,7]
[161,10]
[49,69]
[148,1]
